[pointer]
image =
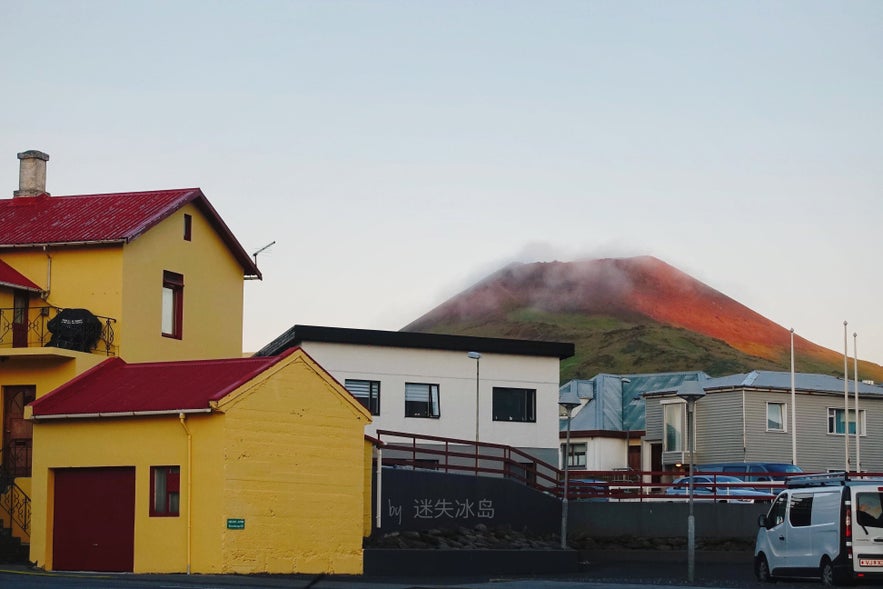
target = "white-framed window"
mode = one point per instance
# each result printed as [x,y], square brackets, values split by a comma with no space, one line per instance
[836,425]
[576,456]
[775,417]
[674,423]
[366,392]
[510,404]
[421,400]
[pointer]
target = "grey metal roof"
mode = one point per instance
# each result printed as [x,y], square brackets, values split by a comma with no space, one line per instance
[615,401]
[770,380]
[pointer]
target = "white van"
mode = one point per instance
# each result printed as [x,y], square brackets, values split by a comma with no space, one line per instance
[811,531]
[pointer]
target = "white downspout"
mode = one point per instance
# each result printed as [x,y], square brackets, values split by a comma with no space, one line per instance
[378,509]
[183,418]
[744,432]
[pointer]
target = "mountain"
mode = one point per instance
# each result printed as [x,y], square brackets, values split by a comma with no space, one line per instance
[629,315]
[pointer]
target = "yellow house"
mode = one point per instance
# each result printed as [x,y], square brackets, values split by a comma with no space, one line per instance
[246,465]
[141,275]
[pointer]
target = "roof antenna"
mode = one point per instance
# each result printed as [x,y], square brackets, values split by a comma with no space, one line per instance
[266,247]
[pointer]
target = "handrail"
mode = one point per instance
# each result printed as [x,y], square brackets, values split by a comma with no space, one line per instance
[431,452]
[482,458]
[13,499]
[34,332]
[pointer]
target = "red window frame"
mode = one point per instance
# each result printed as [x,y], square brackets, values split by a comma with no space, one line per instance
[175,283]
[188,227]
[165,499]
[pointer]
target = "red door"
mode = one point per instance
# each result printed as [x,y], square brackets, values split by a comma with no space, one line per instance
[17,430]
[94,527]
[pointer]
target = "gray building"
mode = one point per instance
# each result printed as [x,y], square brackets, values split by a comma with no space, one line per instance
[607,426]
[748,418]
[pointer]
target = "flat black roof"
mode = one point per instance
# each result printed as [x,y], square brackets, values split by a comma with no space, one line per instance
[410,339]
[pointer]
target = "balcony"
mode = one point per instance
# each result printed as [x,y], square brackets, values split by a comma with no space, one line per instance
[44,326]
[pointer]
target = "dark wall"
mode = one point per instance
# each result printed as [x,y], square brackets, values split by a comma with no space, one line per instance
[664,519]
[422,500]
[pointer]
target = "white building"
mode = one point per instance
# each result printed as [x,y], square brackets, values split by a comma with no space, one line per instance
[435,385]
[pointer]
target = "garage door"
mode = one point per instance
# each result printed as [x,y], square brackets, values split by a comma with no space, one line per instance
[94,526]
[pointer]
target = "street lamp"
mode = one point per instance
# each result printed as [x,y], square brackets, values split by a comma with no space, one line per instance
[568,404]
[477,357]
[690,391]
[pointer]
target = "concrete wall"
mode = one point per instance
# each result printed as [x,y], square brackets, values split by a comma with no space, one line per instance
[422,500]
[663,519]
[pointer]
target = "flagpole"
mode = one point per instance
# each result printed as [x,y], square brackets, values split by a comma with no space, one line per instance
[858,443]
[793,407]
[845,399]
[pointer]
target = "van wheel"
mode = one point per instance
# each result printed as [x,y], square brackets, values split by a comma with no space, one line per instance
[762,569]
[827,574]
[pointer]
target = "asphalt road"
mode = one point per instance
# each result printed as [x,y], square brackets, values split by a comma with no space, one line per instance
[636,574]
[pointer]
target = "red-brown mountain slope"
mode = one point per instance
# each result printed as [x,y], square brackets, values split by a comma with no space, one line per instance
[631,289]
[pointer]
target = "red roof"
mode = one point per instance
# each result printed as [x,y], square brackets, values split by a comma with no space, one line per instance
[103,218]
[9,276]
[116,387]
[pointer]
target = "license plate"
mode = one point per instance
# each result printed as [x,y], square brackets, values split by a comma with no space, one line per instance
[871,562]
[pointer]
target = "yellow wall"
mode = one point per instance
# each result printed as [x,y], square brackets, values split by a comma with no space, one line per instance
[125,283]
[296,476]
[213,292]
[286,455]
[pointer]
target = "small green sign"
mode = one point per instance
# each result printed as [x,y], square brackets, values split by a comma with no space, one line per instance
[235,524]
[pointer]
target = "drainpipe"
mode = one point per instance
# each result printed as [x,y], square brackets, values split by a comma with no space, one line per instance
[183,419]
[378,513]
[45,294]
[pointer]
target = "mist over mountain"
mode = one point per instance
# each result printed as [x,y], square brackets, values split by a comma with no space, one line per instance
[629,315]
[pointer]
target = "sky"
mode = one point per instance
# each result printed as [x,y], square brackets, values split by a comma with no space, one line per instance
[397,152]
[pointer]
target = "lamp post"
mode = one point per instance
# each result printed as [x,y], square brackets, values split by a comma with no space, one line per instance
[690,391]
[477,357]
[568,404]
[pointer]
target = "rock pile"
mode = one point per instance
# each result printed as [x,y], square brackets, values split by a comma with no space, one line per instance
[481,537]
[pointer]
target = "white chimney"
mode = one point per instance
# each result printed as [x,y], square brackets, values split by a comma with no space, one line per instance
[31,173]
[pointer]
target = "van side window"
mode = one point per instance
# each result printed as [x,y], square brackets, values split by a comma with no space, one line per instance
[801,510]
[777,511]
[870,512]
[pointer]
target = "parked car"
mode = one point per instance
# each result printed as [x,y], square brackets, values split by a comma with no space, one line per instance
[753,471]
[826,526]
[725,489]
[589,489]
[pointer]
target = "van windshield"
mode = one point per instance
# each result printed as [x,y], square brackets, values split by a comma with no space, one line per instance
[870,512]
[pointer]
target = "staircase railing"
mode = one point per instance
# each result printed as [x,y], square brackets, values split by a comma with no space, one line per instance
[466,456]
[13,499]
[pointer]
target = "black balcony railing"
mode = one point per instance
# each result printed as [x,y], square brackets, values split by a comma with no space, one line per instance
[29,328]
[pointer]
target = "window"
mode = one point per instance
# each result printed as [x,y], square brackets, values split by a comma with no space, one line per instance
[515,404]
[366,392]
[835,421]
[674,427]
[577,455]
[775,417]
[165,491]
[188,227]
[172,304]
[421,400]
[801,510]
[870,513]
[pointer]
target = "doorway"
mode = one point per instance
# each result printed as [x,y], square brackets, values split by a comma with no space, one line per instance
[17,431]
